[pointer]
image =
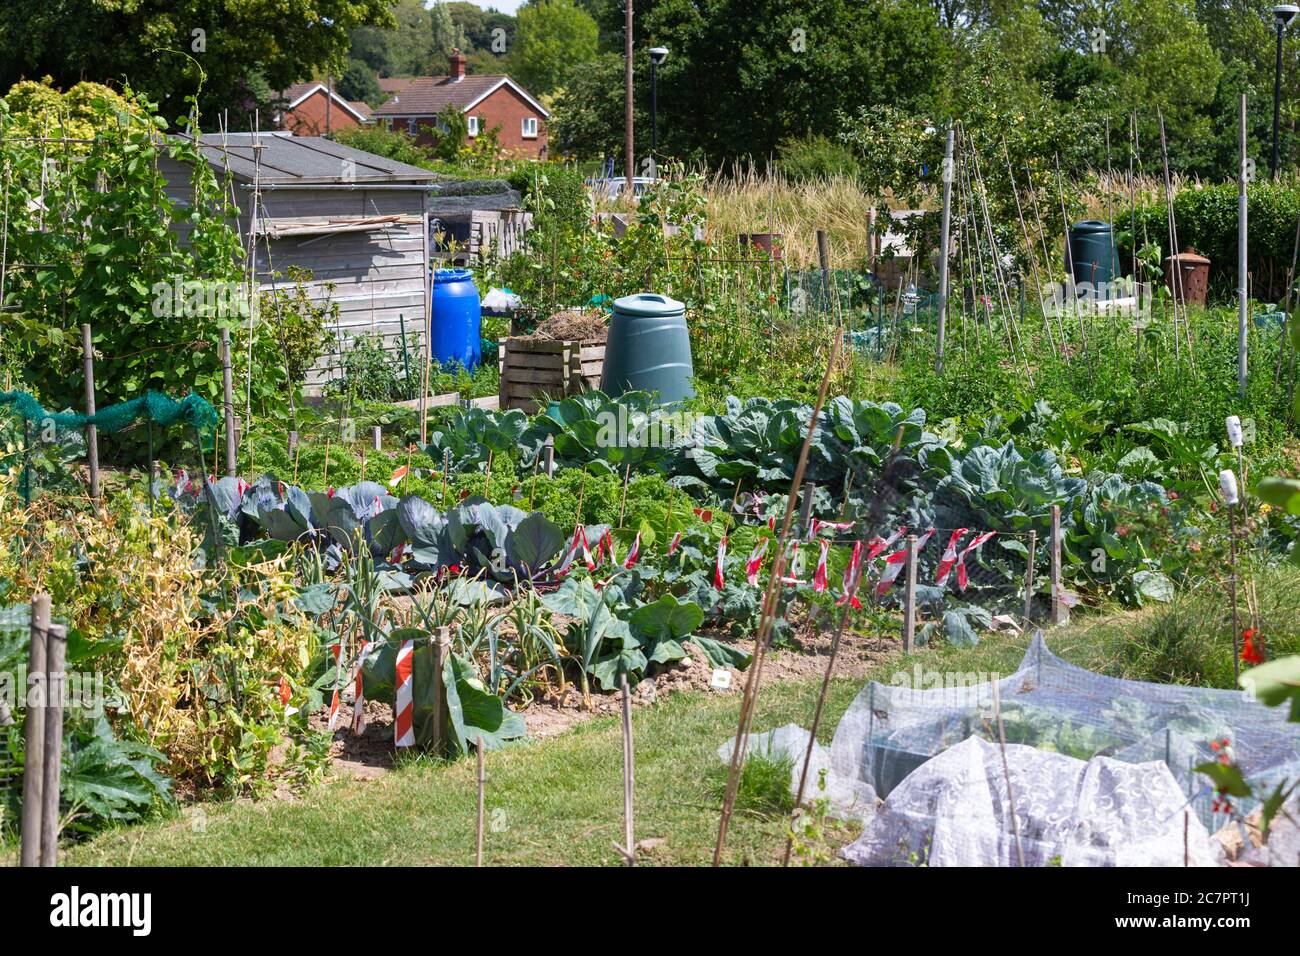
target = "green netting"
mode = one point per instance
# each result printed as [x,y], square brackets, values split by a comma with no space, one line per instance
[152,406]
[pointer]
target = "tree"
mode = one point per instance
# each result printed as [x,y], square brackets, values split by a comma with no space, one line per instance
[743,75]
[170,49]
[587,119]
[452,130]
[358,83]
[554,37]
[445,36]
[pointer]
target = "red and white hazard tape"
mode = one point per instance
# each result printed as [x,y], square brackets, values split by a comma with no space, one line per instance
[404,709]
[359,697]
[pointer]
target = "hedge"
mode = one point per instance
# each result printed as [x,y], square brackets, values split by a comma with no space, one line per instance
[1206,217]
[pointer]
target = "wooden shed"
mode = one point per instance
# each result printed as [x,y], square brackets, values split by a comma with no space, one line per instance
[355,220]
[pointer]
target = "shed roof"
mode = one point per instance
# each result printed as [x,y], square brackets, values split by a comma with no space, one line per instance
[303,160]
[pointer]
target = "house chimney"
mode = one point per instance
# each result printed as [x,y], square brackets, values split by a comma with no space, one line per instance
[457,61]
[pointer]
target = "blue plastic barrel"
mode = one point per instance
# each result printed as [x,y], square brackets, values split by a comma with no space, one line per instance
[456,319]
[649,348]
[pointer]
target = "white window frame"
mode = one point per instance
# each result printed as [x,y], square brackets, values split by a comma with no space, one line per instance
[471,125]
[412,127]
[527,123]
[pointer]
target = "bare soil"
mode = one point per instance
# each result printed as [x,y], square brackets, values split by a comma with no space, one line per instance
[371,754]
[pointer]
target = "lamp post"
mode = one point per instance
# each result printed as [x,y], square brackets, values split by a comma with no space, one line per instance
[657,56]
[1283,14]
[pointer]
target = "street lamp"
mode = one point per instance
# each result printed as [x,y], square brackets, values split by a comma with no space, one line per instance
[657,56]
[1283,14]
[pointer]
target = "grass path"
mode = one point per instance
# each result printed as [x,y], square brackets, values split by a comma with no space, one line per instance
[555,802]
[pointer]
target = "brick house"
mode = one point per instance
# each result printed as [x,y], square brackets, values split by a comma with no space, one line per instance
[488,102]
[312,109]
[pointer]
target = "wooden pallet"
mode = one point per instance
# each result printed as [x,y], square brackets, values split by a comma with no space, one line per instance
[537,371]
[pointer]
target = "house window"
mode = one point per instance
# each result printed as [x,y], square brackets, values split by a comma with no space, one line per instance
[530,127]
[473,125]
[410,125]
[441,125]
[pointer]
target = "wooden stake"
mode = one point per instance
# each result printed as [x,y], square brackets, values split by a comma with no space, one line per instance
[441,652]
[446,470]
[487,475]
[92,433]
[56,644]
[1029,577]
[228,394]
[770,597]
[909,597]
[805,508]
[1232,593]
[1006,771]
[548,457]
[1058,606]
[824,261]
[478,841]
[325,478]
[34,758]
[816,723]
[628,849]
[622,504]
[377,436]
[582,491]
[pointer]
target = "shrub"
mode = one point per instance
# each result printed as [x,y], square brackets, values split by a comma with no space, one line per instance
[554,191]
[369,373]
[396,145]
[815,157]
[1207,222]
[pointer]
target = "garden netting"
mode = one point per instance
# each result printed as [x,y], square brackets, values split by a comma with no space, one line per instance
[955,810]
[43,444]
[1102,769]
[1053,705]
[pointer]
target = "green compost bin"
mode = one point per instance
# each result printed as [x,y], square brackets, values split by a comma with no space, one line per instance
[1092,253]
[649,348]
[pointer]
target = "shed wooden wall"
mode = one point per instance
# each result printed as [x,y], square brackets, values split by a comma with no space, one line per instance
[378,276]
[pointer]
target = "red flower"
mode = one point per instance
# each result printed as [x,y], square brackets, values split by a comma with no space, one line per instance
[1173,496]
[285,693]
[704,514]
[1251,653]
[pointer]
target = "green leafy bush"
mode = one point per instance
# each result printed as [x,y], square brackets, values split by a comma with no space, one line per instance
[815,157]
[1207,222]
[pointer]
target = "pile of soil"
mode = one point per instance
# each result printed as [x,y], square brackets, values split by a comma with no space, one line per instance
[574,325]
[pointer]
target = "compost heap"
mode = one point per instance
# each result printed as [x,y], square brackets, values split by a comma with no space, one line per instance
[574,325]
[1076,739]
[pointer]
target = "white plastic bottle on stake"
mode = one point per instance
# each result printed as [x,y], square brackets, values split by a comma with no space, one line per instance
[1234,431]
[1228,486]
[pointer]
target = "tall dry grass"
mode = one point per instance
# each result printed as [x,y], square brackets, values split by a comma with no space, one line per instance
[764,201]
[757,200]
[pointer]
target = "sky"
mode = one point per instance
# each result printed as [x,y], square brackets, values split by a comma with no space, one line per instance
[505,6]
